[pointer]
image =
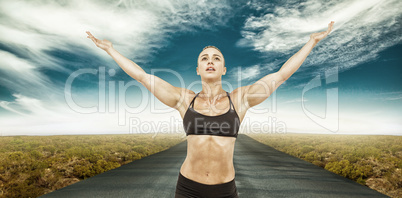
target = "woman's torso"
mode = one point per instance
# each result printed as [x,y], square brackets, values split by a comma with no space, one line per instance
[209,158]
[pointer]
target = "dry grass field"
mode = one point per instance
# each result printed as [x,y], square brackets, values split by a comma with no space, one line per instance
[31,166]
[371,160]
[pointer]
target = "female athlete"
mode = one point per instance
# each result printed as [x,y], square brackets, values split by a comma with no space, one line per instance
[212,117]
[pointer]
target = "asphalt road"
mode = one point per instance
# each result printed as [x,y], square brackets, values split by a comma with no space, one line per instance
[261,171]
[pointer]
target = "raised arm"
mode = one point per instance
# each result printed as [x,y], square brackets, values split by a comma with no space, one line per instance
[259,91]
[164,91]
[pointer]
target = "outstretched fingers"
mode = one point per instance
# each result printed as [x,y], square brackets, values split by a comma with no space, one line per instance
[330,25]
[91,37]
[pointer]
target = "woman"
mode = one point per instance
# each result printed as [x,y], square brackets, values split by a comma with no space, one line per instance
[211,117]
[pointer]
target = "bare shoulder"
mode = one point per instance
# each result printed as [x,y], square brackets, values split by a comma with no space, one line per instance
[238,93]
[186,91]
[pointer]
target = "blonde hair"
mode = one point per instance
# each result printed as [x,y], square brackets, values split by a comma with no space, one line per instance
[211,46]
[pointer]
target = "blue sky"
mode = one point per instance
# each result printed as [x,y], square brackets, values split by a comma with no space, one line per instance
[51,75]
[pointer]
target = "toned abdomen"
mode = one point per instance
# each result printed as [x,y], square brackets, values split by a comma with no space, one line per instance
[209,159]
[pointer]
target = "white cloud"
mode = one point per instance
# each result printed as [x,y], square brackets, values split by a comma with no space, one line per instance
[6,105]
[240,73]
[139,28]
[34,108]
[135,27]
[37,117]
[295,120]
[362,29]
[13,63]
[22,76]
[397,95]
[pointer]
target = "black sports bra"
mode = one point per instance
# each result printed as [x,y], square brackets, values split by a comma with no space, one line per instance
[226,124]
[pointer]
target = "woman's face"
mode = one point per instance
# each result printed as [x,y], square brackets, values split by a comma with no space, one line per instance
[211,63]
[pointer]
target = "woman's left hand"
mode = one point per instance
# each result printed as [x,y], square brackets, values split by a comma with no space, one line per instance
[320,35]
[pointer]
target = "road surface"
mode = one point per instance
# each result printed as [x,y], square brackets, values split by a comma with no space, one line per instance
[261,171]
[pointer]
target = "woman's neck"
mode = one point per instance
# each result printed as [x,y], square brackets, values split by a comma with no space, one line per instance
[212,94]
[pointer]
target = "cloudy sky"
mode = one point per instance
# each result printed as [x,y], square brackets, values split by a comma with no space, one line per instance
[54,80]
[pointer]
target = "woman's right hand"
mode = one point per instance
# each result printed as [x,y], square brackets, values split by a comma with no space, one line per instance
[103,44]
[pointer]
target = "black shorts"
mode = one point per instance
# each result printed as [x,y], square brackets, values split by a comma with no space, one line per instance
[189,188]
